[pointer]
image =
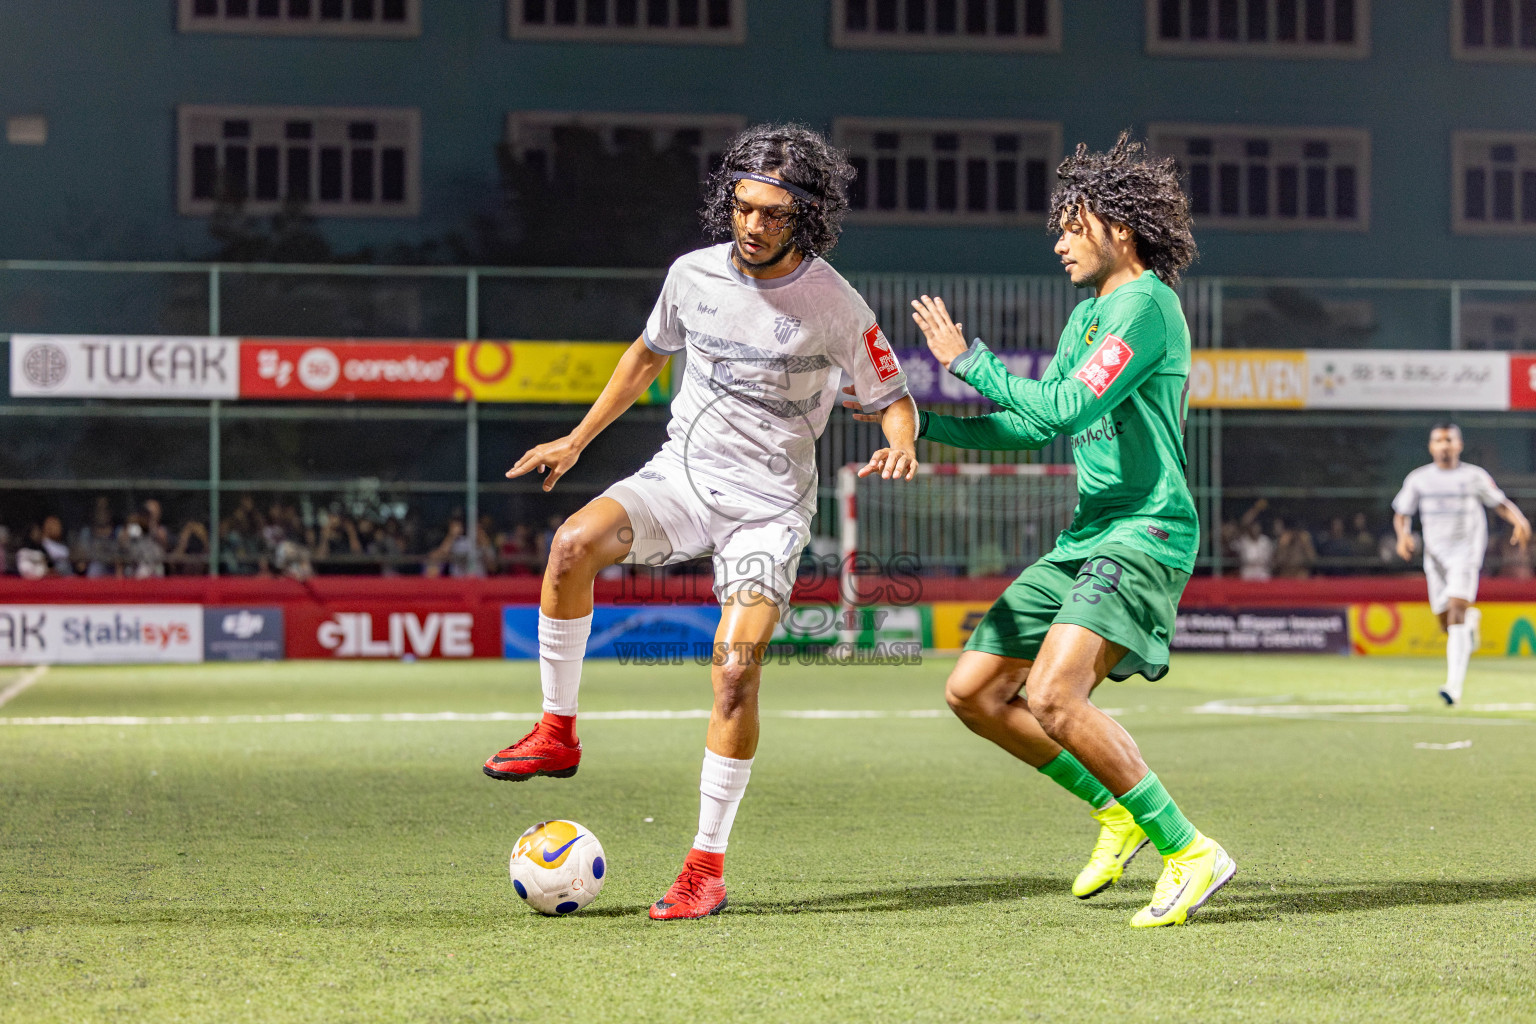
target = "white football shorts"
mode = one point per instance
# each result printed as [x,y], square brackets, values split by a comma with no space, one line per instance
[1450,577]
[676,519]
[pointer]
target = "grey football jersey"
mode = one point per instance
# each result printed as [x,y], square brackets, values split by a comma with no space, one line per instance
[765,360]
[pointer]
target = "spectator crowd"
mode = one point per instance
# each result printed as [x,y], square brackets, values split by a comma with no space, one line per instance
[298,538]
[1288,549]
[288,538]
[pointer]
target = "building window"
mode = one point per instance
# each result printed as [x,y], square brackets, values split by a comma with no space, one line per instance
[947,24]
[1493,29]
[1493,183]
[332,161]
[629,21]
[1271,179]
[949,172]
[532,135]
[379,18]
[1259,28]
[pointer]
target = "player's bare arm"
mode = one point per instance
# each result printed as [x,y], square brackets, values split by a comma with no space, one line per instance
[637,370]
[1511,514]
[898,460]
[1404,527]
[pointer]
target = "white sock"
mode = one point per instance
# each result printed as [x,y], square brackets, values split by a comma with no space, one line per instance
[721,786]
[562,645]
[1458,649]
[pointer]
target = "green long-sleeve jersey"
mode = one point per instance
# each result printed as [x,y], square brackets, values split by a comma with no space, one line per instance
[1118,386]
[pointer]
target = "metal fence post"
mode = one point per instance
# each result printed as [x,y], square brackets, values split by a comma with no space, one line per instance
[215,314]
[214,475]
[472,481]
[472,305]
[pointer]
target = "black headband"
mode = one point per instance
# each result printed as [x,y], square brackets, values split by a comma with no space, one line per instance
[794,190]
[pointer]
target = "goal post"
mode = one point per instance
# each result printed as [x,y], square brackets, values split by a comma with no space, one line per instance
[952,519]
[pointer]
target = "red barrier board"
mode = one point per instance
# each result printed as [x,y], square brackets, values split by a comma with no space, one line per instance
[393,629]
[323,369]
[1522,382]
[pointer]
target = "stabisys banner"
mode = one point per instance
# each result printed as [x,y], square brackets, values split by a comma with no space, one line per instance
[326,370]
[109,366]
[83,634]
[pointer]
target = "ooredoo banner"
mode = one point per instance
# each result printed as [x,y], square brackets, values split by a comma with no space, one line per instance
[108,366]
[1522,382]
[386,630]
[79,634]
[386,370]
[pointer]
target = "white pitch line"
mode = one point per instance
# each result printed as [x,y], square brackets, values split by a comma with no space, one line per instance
[440,716]
[26,679]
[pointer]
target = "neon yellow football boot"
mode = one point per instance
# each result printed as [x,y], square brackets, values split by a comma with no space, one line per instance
[1120,838]
[1189,878]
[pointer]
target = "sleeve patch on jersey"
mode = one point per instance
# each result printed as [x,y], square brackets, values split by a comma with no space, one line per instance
[1100,371]
[880,354]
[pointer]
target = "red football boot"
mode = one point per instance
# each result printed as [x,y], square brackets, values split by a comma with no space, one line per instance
[698,892]
[550,749]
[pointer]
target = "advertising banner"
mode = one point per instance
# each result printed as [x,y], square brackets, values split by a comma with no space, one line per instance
[106,366]
[1260,630]
[545,371]
[330,370]
[1248,379]
[380,629]
[83,634]
[954,621]
[242,634]
[1508,629]
[1407,380]
[663,634]
[1522,382]
[930,382]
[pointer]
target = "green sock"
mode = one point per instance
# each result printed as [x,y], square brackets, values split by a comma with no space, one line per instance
[1068,773]
[1155,811]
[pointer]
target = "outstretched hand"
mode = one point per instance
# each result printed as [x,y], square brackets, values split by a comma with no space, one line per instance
[555,458]
[890,463]
[946,339]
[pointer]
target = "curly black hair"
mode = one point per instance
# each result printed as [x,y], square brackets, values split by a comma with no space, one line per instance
[1129,186]
[795,154]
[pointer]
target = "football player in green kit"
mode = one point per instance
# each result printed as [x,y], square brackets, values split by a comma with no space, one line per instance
[1102,602]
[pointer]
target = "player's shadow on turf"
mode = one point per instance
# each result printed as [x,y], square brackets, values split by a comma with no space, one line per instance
[1255,900]
[913,897]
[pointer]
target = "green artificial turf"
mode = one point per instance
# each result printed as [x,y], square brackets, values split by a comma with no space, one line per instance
[890,868]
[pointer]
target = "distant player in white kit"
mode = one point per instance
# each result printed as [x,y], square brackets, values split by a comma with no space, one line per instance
[769,329]
[1449,496]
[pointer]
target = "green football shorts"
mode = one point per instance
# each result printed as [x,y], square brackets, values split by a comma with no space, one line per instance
[1124,595]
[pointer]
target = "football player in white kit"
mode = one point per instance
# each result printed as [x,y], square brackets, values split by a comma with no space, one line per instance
[1449,496]
[769,328]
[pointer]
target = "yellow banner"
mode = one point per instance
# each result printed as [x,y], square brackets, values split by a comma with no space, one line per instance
[544,371]
[954,621]
[1248,379]
[1507,630]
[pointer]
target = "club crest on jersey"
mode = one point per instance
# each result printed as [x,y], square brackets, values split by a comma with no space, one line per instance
[880,353]
[785,328]
[1100,371]
[1093,329]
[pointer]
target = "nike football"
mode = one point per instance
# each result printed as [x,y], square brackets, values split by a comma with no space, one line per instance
[558,867]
